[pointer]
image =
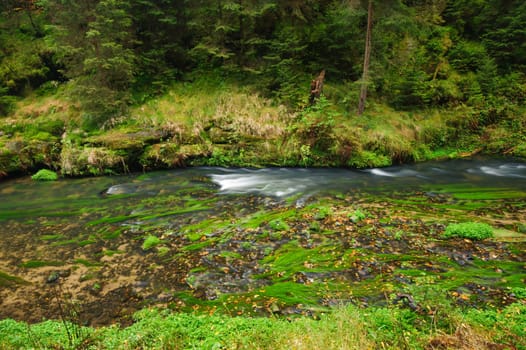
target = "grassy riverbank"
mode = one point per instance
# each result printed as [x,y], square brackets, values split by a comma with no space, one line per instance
[211,121]
[437,326]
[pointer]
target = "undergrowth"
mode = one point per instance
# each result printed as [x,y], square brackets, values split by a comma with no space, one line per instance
[215,121]
[346,327]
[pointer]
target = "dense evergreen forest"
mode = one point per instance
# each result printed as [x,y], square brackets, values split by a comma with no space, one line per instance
[107,56]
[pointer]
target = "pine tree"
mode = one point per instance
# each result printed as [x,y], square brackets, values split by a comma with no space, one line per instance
[95,44]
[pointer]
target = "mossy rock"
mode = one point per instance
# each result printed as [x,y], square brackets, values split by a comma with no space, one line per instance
[121,140]
[78,160]
[164,154]
[45,175]
[470,230]
[151,242]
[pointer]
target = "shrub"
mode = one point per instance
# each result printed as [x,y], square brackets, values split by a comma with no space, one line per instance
[470,230]
[45,175]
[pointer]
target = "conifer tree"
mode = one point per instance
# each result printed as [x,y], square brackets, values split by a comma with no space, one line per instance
[95,41]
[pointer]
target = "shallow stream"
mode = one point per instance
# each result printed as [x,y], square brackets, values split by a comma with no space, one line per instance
[259,241]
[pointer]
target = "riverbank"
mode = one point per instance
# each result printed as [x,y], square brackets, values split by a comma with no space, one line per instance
[209,122]
[349,327]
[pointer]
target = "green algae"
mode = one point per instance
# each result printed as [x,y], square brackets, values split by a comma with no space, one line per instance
[291,293]
[87,263]
[7,280]
[358,246]
[111,220]
[505,235]
[204,227]
[54,237]
[291,258]
[40,263]
[151,242]
[265,217]
[198,246]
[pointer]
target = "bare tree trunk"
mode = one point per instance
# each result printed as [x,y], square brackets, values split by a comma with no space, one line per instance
[316,87]
[366,60]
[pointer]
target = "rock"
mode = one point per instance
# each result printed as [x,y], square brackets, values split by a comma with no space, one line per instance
[53,277]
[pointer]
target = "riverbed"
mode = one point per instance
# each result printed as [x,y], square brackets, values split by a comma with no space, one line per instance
[280,241]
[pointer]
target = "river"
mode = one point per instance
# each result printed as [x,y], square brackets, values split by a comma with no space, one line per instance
[277,237]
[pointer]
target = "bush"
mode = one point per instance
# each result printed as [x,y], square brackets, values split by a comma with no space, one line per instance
[470,230]
[45,175]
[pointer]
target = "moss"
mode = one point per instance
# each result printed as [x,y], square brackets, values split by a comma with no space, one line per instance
[87,263]
[40,263]
[45,175]
[262,217]
[151,242]
[368,159]
[7,280]
[470,230]
[76,160]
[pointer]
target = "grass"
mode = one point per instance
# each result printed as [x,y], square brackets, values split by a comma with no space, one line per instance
[344,327]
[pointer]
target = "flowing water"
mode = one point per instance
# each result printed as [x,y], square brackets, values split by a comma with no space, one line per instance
[275,238]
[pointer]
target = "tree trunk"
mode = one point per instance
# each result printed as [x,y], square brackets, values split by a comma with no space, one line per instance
[366,60]
[316,87]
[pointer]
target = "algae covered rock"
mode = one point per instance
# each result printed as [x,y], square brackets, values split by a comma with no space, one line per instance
[45,175]
[469,230]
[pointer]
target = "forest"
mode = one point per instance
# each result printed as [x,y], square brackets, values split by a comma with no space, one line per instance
[100,62]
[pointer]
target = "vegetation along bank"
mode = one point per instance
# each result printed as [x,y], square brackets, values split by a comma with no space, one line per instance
[115,86]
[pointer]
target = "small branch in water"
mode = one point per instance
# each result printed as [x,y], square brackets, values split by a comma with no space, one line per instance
[408,299]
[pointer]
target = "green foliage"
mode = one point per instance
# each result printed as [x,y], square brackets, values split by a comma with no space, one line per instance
[101,66]
[6,102]
[367,159]
[345,327]
[470,230]
[45,175]
[519,292]
[108,54]
[315,128]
